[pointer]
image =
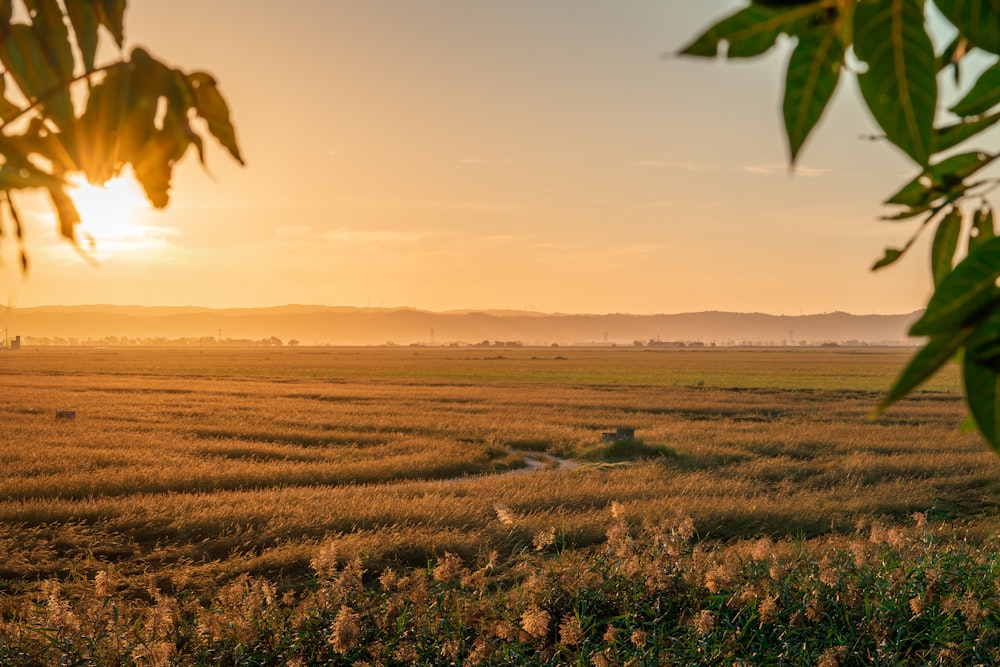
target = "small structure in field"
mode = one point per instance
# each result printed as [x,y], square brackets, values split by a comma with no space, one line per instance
[65,414]
[622,433]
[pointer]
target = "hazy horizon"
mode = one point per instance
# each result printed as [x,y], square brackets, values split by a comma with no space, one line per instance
[486,309]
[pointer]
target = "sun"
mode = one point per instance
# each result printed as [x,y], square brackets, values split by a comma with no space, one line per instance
[107,212]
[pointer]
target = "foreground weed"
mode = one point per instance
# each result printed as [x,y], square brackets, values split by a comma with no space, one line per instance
[650,594]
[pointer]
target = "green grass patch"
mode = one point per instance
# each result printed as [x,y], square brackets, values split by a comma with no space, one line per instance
[628,449]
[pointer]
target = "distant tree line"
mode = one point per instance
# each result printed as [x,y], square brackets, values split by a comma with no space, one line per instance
[154,341]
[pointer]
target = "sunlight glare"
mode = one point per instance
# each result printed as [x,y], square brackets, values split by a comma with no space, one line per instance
[107,212]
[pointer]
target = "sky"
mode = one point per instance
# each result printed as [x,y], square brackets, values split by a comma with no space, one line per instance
[547,155]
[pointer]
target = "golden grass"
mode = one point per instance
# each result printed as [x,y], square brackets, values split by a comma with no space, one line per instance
[188,467]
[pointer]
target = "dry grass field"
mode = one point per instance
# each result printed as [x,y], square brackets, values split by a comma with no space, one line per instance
[184,470]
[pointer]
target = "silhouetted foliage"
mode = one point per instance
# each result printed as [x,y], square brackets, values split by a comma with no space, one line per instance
[61,114]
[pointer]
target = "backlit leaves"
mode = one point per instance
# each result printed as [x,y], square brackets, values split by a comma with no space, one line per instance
[134,111]
[900,85]
[84,16]
[211,106]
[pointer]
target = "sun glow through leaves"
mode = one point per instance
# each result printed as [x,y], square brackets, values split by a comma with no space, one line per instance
[107,212]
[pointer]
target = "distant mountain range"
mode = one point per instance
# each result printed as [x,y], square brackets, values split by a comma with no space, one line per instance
[313,325]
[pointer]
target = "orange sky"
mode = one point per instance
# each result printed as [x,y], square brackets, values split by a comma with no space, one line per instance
[533,154]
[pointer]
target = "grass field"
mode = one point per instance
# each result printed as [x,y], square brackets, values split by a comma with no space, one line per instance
[187,471]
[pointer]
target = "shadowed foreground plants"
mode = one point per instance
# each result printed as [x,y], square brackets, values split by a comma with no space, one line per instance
[650,594]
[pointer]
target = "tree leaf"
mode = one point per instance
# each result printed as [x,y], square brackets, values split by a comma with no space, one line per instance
[25,58]
[900,85]
[85,20]
[6,13]
[978,20]
[938,350]
[147,82]
[154,168]
[953,54]
[48,25]
[8,109]
[945,244]
[751,31]
[983,96]
[950,136]
[111,14]
[982,228]
[69,217]
[98,129]
[982,392]
[813,73]
[942,179]
[213,108]
[963,293]
[891,255]
[23,177]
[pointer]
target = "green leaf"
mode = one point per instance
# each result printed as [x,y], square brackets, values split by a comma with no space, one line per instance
[978,20]
[984,95]
[213,108]
[984,344]
[950,136]
[85,20]
[751,31]
[963,293]
[813,73]
[942,179]
[982,228]
[982,392]
[938,350]
[891,255]
[47,22]
[945,244]
[900,85]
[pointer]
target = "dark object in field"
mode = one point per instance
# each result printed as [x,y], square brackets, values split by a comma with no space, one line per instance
[621,434]
[65,414]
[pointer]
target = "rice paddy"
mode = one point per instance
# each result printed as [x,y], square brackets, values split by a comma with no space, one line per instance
[246,504]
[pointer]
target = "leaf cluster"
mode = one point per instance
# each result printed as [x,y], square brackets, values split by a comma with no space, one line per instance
[898,78]
[62,114]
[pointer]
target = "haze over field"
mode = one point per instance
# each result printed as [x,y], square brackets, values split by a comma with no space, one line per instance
[525,154]
[314,325]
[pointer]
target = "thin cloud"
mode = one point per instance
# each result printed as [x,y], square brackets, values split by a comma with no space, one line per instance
[769,169]
[344,235]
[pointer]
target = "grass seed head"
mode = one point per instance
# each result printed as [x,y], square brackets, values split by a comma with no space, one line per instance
[535,621]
